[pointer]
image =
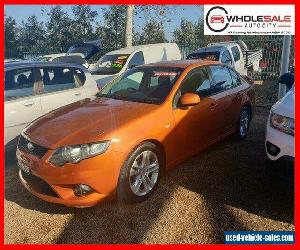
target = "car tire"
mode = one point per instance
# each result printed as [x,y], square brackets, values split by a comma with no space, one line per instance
[140,174]
[243,123]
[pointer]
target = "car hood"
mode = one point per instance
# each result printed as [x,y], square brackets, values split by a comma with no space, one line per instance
[85,121]
[286,105]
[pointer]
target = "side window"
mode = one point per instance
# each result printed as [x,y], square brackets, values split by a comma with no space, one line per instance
[236,80]
[236,53]
[131,82]
[137,59]
[58,78]
[19,83]
[221,78]
[197,81]
[226,58]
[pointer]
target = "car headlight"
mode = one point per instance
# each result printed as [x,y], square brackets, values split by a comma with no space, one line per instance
[76,153]
[283,123]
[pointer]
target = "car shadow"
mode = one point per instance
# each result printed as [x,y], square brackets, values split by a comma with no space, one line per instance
[235,173]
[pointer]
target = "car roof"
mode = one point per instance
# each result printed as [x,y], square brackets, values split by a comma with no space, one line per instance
[181,63]
[129,50]
[212,48]
[23,64]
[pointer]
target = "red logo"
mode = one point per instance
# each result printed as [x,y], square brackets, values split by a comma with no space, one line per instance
[217,19]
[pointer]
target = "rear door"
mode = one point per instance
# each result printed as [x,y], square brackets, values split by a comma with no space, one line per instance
[22,102]
[61,86]
[221,89]
[236,94]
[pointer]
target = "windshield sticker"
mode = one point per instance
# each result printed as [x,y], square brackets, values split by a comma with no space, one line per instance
[162,73]
[117,65]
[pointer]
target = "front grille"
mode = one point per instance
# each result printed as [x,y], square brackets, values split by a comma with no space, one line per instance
[36,150]
[38,184]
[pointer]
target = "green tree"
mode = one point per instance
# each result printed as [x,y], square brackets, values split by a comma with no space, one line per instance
[112,31]
[11,41]
[184,35]
[32,36]
[153,32]
[59,36]
[82,26]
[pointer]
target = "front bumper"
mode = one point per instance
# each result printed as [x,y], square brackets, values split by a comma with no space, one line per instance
[56,184]
[278,144]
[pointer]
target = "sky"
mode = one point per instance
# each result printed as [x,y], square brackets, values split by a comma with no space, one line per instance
[189,12]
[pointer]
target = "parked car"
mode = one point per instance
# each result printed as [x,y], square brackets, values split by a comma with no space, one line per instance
[35,88]
[79,53]
[115,63]
[234,54]
[280,140]
[141,124]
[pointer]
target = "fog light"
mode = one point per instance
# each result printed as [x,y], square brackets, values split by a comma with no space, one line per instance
[272,149]
[82,189]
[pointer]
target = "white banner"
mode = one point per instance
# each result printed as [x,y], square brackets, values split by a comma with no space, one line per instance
[249,19]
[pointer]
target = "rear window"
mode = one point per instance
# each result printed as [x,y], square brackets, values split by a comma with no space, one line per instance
[210,56]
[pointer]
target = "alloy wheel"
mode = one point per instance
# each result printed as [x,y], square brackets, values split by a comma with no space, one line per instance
[144,173]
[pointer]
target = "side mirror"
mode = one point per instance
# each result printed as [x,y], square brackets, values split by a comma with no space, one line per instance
[189,99]
[287,79]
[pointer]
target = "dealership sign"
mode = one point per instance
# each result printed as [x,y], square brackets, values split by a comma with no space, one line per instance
[249,19]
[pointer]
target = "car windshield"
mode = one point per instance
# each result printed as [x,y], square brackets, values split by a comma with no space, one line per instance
[110,64]
[144,84]
[205,55]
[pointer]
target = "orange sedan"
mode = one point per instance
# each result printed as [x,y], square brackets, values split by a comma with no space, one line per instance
[141,124]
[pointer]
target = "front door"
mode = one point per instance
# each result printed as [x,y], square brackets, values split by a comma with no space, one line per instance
[196,125]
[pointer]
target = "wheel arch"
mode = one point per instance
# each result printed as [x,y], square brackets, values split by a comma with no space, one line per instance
[161,149]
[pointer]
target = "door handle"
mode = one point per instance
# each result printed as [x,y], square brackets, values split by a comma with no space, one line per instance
[213,106]
[77,94]
[28,104]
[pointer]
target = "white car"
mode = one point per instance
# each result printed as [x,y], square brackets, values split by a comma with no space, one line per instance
[280,141]
[114,63]
[233,53]
[33,89]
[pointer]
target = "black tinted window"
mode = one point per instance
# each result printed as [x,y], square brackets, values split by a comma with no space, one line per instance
[207,55]
[221,78]
[19,83]
[235,53]
[60,78]
[197,81]
[137,59]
